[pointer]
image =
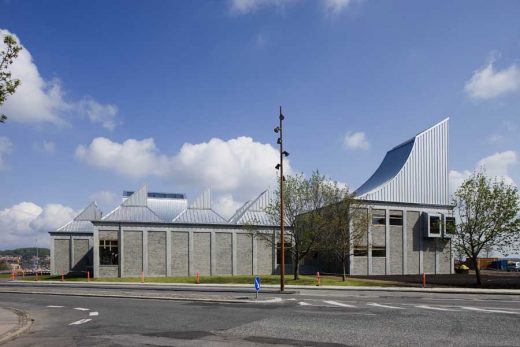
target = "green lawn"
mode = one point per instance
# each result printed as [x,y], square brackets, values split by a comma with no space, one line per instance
[266,279]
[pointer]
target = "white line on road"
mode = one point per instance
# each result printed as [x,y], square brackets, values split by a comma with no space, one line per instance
[385,306]
[93,314]
[54,306]
[487,310]
[426,307]
[301,303]
[81,321]
[82,309]
[335,303]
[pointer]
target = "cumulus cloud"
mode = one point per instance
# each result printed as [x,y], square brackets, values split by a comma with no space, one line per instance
[336,6]
[22,224]
[239,167]
[488,83]
[496,166]
[226,205]
[249,6]
[47,147]
[6,147]
[37,100]
[356,140]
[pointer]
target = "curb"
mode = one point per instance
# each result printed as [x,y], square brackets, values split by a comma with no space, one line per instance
[210,300]
[24,324]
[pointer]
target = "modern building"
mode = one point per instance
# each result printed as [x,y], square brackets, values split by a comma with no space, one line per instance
[158,234]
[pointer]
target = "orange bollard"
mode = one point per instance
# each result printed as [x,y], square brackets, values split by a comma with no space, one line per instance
[198,277]
[142,276]
[318,280]
[424,280]
[88,276]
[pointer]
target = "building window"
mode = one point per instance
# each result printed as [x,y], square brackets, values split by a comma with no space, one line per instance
[378,251]
[378,217]
[360,251]
[288,257]
[435,225]
[108,252]
[450,225]
[396,217]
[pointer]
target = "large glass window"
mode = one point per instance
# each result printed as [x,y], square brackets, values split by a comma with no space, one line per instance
[360,251]
[396,217]
[435,224]
[378,251]
[108,252]
[450,225]
[378,217]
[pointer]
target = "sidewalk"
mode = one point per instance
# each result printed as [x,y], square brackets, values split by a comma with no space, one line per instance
[266,288]
[12,323]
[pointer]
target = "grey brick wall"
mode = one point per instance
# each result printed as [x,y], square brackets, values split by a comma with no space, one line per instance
[443,247]
[264,251]
[360,266]
[244,254]
[224,254]
[378,235]
[108,271]
[81,255]
[413,234]
[396,249]
[378,265]
[429,249]
[202,253]
[133,253]
[156,253]
[108,235]
[180,253]
[62,256]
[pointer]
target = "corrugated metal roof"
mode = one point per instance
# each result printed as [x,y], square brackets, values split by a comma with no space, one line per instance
[167,209]
[81,223]
[77,226]
[139,198]
[414,172]
[200,212]
[133,214]
[253,213]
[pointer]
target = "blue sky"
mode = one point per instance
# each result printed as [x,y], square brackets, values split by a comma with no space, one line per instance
[184,94]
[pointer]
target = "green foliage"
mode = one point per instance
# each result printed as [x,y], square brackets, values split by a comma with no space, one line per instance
[26,252]
[488,216]
[8,84]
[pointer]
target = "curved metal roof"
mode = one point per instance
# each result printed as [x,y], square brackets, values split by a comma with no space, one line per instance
[416,171]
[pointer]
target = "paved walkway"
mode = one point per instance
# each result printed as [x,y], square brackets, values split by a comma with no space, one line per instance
[11,324]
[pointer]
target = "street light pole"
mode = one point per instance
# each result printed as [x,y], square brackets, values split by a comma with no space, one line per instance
[282,240]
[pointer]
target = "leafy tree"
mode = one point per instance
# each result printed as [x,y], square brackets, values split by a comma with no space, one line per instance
[8,84]
[345,223]
[487,212]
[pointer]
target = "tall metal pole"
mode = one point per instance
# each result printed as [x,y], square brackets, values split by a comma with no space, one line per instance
[282,240]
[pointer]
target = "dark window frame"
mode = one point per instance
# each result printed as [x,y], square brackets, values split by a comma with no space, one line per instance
[435,227]
[378,252]
[361,251]
[108,252]
[396,218]
[450,226]
[378,217]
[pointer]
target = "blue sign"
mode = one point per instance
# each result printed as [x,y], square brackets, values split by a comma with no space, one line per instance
[257,284]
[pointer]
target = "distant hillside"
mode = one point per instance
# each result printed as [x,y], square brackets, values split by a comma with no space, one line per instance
[26,252]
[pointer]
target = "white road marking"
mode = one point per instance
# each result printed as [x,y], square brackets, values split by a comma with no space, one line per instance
[301,303]
[338,304]
[487,310]
[426,307]
[81,321]
[54,306]
[82,309]
[93,314]
[385,306]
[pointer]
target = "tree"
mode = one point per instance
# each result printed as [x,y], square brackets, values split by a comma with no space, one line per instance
[345,222]
[303,199]
[487,212]
[8,84]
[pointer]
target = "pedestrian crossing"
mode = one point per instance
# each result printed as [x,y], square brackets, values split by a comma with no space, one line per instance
[402,307]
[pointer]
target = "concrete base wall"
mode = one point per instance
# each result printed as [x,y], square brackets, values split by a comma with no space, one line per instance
[133,253]
[81,255]
[156,253]
[396,250]
[360,266]
[108,271]
[62,256]
[244,254]
[224,254]
[378,266]
[264,256]
[202,253]
[180,253]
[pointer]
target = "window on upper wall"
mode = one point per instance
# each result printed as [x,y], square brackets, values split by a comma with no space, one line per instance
[108,252]
[378,217]
[435,225]
[288,257]
[450,225]
[396,217]
[378,251]
[360,251]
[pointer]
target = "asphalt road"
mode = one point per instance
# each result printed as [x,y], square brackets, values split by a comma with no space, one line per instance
[310,318]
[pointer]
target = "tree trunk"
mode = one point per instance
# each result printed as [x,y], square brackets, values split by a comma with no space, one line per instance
[477,271]
[344,276]
[296,268]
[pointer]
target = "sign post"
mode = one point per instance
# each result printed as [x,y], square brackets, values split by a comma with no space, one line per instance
[257,286]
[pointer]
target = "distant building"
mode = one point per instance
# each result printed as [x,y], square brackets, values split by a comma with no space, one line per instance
[159,234]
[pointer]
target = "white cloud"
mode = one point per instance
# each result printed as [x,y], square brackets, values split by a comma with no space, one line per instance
[6,147]
[106,199]
[22,224]
[488,83]
[336,6]
[98,113]
[240,166]
[250,6]
[37,100]
[495,166]
[356,140]
[226,205]
[47,147]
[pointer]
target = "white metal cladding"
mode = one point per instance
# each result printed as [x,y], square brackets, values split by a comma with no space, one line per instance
[133,214]
[422,178]
[167,209]
[200,212]
[81,222]
[253,212]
